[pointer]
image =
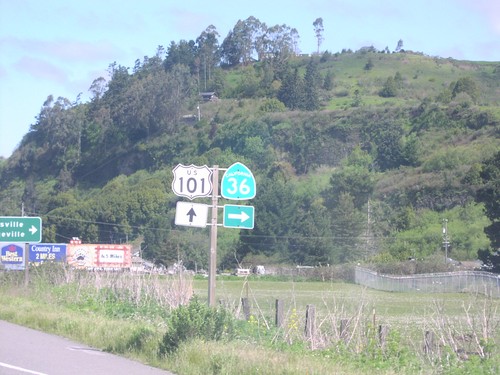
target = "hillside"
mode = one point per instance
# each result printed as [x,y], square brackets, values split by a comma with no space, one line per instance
[357,155]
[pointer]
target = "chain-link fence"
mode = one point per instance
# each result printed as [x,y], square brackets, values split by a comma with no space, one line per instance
[449,282]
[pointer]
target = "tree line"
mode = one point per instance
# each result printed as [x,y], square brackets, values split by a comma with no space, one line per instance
[102,170]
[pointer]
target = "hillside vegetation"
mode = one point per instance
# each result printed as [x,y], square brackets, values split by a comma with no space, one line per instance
[358,156]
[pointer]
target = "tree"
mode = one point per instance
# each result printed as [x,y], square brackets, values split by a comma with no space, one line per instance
[357,100]
[208,47]
[311,243]
[328,82]
[355,180]
[58,134]
[399,47]
[489,195]
[98,88]
[318,30]
[390,89]
[183,53]
[347,226]
[249,84]
[231,54]
[369,65]
[291,92]
[490,260]
[304,147]
[246,38]
[312,83]
[464,85]
[281,43]
[277,207]
[387,136]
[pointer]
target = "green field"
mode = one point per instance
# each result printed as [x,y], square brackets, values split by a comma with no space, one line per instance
[404,311]
[129,315]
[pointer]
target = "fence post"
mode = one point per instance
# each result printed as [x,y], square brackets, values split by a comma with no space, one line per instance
[383,331]
[344,323]
[279,313]
[428,342]
[310,321]
[246,308]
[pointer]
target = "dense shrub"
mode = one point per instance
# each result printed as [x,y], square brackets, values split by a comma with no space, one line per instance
[272,105]
[432,264]
[196,321]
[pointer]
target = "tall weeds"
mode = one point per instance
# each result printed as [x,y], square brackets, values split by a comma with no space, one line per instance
[112,292]
[144,315]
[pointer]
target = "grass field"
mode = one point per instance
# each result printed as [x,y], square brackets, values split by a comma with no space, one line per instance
[403,311]
[116,313]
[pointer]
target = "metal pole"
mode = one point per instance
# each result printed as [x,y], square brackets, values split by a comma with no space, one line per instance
[213,237]
[445,239]
[26,265]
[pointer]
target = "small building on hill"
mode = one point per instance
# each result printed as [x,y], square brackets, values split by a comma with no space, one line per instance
[209,96]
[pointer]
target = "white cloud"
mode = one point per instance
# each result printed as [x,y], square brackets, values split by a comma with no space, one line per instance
[40,69]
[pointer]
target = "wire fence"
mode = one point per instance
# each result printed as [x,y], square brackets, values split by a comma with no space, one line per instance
[449,282]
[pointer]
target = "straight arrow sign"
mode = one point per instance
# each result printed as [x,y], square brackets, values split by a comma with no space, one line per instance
[191,214]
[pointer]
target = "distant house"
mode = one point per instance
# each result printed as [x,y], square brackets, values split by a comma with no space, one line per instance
[209,96]
[189,118]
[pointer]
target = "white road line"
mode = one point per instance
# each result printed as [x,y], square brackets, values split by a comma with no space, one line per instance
[22,369]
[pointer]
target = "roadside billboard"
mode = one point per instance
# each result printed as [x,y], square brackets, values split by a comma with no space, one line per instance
[12,256]
[42,252]
[99,256]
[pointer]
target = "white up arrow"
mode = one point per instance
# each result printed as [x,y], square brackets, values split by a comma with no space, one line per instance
[33,230]
[242,217]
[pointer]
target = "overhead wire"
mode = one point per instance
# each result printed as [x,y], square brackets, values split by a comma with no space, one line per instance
[242,236]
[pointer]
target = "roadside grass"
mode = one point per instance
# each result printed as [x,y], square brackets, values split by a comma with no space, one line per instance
[78,309]
[298,295]
[246,358]
[136,339]
[411,314]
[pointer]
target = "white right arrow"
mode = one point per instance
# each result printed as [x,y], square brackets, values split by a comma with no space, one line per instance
[242,217]
[33,229]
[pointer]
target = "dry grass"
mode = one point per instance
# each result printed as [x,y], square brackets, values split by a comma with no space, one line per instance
[347,336]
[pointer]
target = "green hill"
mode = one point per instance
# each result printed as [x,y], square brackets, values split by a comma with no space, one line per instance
[357,156]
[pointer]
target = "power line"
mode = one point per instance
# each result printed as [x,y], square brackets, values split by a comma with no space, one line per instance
[242,236]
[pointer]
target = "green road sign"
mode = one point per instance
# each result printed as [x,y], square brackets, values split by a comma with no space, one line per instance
[20,229]
[238,183]
[241,217]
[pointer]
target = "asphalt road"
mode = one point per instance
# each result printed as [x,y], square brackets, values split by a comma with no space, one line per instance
[27,351]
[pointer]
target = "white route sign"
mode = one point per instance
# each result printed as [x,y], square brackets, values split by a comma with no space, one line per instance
[192,181]
[191,214]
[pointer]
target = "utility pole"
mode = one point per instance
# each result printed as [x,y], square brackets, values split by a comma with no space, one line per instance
[446,241]
[212,269]
[368,242]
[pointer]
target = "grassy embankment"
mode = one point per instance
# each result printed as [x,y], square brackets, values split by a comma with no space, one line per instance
[128,316]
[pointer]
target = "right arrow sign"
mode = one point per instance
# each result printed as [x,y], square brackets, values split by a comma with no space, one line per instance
[241,217]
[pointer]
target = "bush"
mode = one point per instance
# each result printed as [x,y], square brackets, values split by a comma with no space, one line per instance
[196,321]
[272,105]
[390,88]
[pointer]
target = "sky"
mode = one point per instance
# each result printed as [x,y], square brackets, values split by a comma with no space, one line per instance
[58,48]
